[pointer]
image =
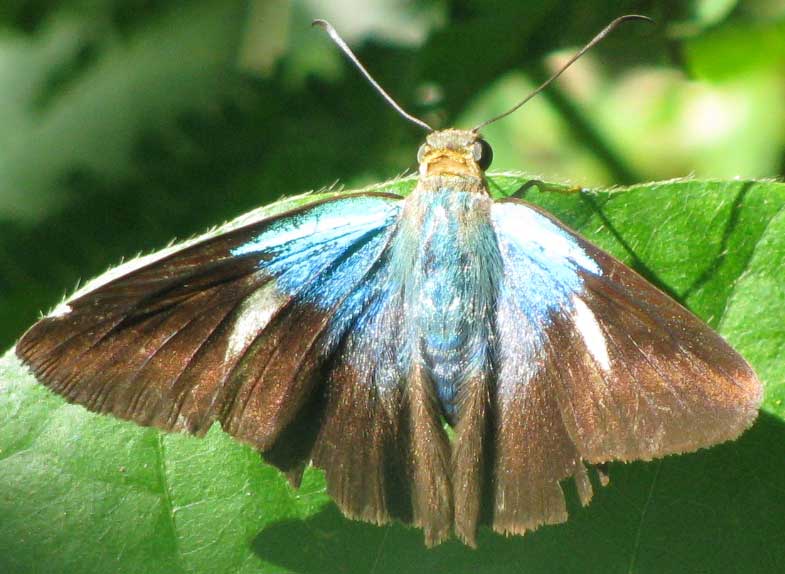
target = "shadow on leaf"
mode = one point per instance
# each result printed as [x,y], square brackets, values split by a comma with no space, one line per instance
[717,510]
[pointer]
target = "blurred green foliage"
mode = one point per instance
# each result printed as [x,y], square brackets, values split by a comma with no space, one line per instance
[126,123]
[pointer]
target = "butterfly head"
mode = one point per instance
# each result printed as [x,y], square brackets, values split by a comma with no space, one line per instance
[454,153]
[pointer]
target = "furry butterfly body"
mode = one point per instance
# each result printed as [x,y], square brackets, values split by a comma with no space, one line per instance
[346,333]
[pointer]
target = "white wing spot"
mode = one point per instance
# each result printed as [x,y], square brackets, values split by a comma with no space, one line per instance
[253,315]
[591,333]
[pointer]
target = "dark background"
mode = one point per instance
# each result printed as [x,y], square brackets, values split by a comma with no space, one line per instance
[127,123]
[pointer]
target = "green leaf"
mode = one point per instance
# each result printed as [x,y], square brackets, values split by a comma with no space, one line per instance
[86,493]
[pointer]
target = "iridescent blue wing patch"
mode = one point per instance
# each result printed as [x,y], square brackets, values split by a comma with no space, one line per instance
[595,364]
[235,328]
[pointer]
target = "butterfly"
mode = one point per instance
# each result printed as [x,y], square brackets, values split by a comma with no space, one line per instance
[449,360]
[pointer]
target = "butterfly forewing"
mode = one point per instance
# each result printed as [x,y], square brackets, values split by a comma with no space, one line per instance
[188,339]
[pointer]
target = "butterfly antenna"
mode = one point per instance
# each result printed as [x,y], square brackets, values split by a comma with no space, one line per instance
[596,40]
[327,27]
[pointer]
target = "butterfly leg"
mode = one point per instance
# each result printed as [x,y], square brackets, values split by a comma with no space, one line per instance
[520,193]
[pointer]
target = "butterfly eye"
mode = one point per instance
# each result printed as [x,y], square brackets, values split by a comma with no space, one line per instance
[482,153]
[421,152]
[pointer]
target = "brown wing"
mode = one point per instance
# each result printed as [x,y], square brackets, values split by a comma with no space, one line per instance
[381,441]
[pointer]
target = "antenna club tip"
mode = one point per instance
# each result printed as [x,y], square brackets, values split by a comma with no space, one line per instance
[319,23]
[640,17]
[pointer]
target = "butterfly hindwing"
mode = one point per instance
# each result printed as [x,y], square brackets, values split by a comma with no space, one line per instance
[595,364]
[359,443]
